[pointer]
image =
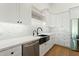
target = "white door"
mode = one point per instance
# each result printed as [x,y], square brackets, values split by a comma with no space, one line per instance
[52,42]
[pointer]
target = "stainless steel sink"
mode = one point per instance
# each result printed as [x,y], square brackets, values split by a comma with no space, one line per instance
[42,35]
[44,38]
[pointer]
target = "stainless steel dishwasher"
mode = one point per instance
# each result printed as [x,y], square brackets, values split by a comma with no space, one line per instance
[31,48]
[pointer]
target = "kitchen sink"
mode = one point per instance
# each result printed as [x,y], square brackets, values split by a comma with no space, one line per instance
[42,35]
[44,38]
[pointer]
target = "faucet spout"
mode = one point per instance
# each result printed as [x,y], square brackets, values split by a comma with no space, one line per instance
[38,30]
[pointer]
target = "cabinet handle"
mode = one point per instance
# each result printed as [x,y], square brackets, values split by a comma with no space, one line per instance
[17,21]
[12,52]
[20,21]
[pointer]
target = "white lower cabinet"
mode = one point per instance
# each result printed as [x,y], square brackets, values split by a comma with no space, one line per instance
[52,41]
[45,47]
[13,51]
[60,42]
[63,42]
[42,49]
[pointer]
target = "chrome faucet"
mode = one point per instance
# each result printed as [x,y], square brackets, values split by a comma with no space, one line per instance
[38,30]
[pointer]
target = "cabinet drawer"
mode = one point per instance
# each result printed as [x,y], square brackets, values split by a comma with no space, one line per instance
[14,51]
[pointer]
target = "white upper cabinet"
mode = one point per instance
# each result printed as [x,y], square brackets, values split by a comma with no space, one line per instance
[74,12]
[8,12]
[15,13]
[25,13]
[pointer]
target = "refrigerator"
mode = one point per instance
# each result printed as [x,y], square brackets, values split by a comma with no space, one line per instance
[75,34]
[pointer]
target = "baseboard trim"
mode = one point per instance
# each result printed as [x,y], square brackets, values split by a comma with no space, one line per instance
[49,49]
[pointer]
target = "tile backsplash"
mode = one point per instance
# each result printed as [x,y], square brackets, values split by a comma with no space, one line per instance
[39,23]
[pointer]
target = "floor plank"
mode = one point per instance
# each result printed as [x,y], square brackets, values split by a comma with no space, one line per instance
[58,50]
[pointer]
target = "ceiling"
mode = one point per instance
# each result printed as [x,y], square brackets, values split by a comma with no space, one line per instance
[54,7]
[41,6]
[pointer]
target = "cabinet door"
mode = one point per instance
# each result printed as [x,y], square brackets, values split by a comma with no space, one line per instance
[52,42]
[14,12]
[14,51]
[8,12]
[42,49]
[59,39]
[25,13]
[60,42]
[48,46]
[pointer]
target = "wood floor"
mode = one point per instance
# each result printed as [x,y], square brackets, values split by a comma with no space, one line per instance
[61,51]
